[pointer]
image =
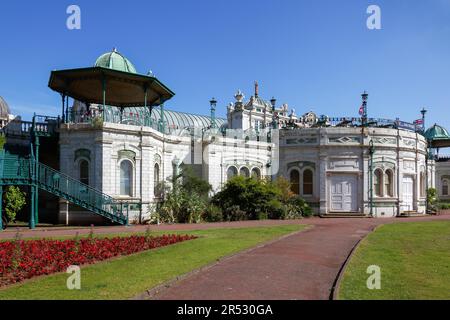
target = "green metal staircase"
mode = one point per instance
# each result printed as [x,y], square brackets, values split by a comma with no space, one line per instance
[22,171]
[28,171]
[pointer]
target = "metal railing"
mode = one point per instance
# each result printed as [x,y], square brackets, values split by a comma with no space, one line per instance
[17,170]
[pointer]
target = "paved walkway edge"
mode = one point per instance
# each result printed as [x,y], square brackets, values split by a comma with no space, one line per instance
[150,293]
[337,283]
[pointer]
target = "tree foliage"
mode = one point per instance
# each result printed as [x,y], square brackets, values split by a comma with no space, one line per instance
[14,202]
[251,199]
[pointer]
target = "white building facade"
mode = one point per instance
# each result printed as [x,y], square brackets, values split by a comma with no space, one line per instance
[339,166]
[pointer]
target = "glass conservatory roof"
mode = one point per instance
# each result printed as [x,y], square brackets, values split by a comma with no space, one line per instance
[172,119]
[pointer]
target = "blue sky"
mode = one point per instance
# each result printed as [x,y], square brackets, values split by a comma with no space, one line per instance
[312,54]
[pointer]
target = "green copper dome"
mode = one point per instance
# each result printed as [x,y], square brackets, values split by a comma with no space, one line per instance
[437,132]
[116,61]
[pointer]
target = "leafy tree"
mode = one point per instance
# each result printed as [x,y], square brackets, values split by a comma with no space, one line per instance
[14,202]
[252,196]
[432,199]
[186,199]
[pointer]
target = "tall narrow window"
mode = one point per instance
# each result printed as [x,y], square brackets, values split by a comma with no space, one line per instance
[295,182]
[388,185]
[126,178]
[244,172]
[231,173]
[84,172]
[156,187]
[377,184]
[256,174]
[445,187]
[307,182]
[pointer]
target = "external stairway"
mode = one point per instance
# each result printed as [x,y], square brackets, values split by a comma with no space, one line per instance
[28,171]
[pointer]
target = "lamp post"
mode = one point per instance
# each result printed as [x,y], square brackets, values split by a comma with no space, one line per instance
[213,104]
[273,102]
[371,152]
[423,112]
[365,97]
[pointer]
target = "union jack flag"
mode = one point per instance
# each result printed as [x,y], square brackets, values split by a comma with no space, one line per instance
[361,111]
[418,122]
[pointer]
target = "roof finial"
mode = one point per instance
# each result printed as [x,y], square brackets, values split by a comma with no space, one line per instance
[114,49]
[256,89]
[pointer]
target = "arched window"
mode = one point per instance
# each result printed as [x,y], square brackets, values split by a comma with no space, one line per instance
[84,172]
[231,172]
[377,183]
[156,180]
[388,183]
[256,174]
[244,172]
[295,182]
[445,187]
[308,182]
[126,178]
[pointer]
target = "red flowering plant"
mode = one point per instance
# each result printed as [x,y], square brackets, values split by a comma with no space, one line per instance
[21,260]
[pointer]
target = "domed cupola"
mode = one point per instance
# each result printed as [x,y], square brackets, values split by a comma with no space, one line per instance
[116,61]
[436,132]
[4,109]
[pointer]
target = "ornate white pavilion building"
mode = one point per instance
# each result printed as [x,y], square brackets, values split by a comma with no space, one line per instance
[341,166]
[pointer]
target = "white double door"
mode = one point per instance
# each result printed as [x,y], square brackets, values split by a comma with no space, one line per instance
[344,193]
[408,193]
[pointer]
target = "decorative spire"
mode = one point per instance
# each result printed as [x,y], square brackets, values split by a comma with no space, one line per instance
[256,89]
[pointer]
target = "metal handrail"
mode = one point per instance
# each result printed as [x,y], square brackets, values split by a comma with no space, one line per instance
[18,169]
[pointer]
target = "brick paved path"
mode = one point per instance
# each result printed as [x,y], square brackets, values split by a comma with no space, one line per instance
[302,266]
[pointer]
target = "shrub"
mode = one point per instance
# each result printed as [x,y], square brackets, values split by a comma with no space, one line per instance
[14,202]
[234,213]
[276,210]
[250,196]
[213,213]
[432,199]
[185,200]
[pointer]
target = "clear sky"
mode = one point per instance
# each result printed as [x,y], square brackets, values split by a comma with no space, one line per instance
[312,54]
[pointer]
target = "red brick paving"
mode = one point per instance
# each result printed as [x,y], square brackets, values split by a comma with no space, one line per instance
[303,266]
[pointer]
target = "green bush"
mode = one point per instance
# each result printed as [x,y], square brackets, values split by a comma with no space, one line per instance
[14,202]
[276,210]
[251,196]
[213,213]
[432,199]
[186,198]
[234,213]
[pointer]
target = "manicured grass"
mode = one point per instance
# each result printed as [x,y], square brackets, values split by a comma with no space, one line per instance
[129,276]
[414,259]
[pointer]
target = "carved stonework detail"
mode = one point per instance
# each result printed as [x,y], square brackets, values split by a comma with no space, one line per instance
[409,165]
[83,153]
[344,140]
[302,164]
[385,140]
[343,164]
[312,140]
[409,142]
[127,154]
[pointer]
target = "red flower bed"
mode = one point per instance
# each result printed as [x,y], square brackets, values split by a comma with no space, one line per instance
[20,260]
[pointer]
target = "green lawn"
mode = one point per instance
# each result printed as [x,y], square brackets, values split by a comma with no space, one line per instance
[414,259]
[128,276]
